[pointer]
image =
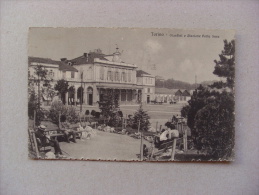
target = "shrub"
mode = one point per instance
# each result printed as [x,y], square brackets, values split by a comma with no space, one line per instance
[97,114]
[57,108]
[71,114]
[93,112]
[141,117]
[87,112]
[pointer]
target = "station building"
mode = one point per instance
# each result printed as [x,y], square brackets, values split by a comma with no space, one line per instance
[92,74]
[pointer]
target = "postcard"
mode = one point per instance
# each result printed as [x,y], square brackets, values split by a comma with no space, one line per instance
[131,94]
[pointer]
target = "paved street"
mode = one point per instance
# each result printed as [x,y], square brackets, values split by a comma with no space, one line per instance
[105,146]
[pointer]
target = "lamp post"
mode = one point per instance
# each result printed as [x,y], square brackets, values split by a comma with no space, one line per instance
[81,101]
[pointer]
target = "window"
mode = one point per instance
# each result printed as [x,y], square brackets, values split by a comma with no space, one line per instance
[102,73]
[64,74]
[129,76]
[123,76]
[109,73]
[148,90]
[82,75]
[72,75]
[112,76]
[116,76]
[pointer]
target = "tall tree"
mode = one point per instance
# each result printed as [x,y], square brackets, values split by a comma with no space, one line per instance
[211,110]
[225,67]
[40,79]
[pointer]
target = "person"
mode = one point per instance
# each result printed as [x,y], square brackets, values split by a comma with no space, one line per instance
[145,150]
[65,127]
[45,140]
[163,136]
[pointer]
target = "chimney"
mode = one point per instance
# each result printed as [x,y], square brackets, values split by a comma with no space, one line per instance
[85,55]
[63,59]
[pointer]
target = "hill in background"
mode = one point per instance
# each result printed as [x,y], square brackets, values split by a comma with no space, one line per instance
[176,84]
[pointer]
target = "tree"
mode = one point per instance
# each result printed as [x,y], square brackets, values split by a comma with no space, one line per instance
[109,107]
[211,110]
[185,110]
[225,67]
[141,117]
[62,88]
[34,99]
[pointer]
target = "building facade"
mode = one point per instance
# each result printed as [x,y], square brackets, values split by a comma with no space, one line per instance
[91,75]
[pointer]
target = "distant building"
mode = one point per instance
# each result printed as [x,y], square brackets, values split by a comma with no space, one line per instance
[56,70]
[90,76]
[147,82]
[166,95]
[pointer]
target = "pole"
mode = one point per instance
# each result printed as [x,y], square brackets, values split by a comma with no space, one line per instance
[185,138]
[81,92]
[173,149]
[38,91]
[34,117]
[34,137]
[156,125]
[59,125]
[141,147]
[138,126]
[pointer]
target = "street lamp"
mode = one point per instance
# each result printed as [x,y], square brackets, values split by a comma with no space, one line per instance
[81,101]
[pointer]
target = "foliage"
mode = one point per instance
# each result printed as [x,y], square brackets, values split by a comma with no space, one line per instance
[109,107]
[87,112]
[72,115]
[62,87]
[33,106]
[34,100]
[141,117]
[225,67]
[185,110]
[57,107]
[210,114]
[93,112]
[214,124]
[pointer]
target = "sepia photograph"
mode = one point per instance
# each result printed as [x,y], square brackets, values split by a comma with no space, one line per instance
[131,94]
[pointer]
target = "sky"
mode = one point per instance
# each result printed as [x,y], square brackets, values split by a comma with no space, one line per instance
[170,55]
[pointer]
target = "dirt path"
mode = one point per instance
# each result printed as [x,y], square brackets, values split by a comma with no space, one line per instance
[106,146]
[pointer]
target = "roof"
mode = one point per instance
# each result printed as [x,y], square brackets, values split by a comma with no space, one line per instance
[183,92]
[88,59]
[62,65]
[178,92]
[140,72]
[186,93]
[65,67]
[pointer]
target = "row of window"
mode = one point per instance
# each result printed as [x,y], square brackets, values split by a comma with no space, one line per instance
[149,80]
[116,76]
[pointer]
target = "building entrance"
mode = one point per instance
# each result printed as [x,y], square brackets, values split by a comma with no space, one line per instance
[148,99]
